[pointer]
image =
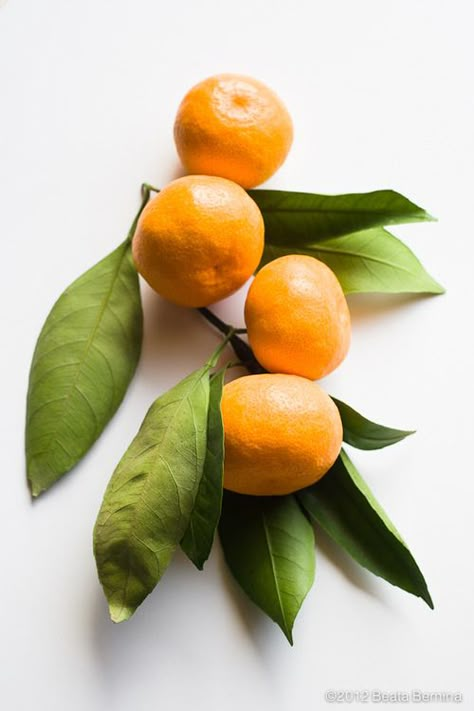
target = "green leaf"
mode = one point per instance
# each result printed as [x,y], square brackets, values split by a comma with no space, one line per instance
[369,261]
[269,547]
[199,536]
[150,498]
[84,360]
[304,218]
[343,505]
[364,434]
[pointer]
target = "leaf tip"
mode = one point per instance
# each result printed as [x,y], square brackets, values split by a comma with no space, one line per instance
[192,554]
[438,288]
[288,632]
[426,597]
[35,488]
[119,612]
[427,217]
[433,286]
[40,476]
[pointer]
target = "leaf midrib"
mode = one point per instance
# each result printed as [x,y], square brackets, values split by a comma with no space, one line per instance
[274,572]
[66,397]
[388,535]
[360,255]
[368,438]
[146,479]
[352,211]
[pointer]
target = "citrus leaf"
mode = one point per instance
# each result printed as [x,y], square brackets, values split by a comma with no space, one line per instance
[303,218]
[343,505]
[199,536]
[369,261]
[364,434]
[150,497]
[84,360]
[269,547]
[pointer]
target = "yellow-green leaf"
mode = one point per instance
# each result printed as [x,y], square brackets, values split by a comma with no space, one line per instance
[369,261]
[151,495]
[84,360]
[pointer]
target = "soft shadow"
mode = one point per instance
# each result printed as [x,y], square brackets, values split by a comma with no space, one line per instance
[263,633]
[250,616]
[355,574]
[169,331]
[371,307]
[178,171]
[123,649]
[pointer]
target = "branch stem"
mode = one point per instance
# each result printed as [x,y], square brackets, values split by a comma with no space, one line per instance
[241,349]
[145,198]
[218,323]
[150,188]
[215,356]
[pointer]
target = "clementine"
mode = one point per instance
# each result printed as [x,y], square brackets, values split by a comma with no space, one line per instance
[297,317]
[235,127]
[198,240]
[282,433]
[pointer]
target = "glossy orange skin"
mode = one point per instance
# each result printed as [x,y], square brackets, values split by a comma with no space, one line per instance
[282,433]
[297,317]
[198,240]
[233,126]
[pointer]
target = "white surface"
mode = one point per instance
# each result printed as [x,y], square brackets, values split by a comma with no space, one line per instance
[381,95]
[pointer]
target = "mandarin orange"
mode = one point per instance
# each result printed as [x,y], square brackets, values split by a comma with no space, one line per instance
[297,317]
[235,127]
[198,240]
[282,433]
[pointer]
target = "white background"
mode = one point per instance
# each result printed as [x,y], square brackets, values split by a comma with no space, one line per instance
[382,96]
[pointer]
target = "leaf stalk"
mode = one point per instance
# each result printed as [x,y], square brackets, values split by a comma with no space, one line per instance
[241,349]
[146,189]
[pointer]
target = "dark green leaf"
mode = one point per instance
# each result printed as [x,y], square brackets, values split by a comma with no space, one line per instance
[369,261]
[199,536]
[343,505]
[151,495]
[364,434]
[269,547]
[84,360]
[293,218]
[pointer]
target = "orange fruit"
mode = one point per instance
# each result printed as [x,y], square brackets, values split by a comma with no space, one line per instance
[282,433]
[297,317]
[198,240]
[233,126]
